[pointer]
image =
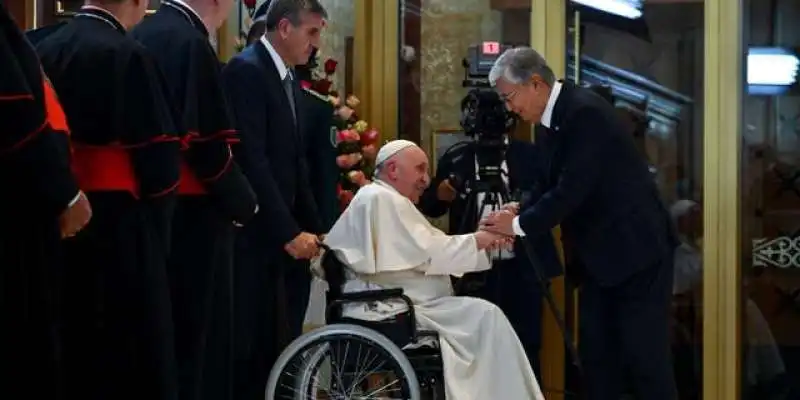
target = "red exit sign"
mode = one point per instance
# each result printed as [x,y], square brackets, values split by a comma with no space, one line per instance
[491,48]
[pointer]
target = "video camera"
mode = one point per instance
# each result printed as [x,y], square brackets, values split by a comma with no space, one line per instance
[485,118]
[479,61]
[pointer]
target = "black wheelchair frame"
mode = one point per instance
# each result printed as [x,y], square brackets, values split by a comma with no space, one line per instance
[401,329]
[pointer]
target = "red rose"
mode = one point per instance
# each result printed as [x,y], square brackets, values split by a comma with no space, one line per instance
[369,137]
[351,135]
[305,84]
[341,136]
[330,66]
[250,4]
[322,86]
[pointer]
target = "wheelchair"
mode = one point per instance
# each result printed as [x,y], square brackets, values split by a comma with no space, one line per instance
[328,363]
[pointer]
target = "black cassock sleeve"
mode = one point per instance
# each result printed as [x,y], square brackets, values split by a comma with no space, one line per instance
[208,122]
[145,123]
[29,146]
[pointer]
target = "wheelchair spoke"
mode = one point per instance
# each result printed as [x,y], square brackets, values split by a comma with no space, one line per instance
[332,370]
[380,389]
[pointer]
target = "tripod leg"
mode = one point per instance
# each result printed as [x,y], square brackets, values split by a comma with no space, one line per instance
[559,316]
[471,199]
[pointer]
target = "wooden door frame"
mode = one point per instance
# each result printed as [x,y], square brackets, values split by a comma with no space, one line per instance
[549,38]
[376,53]
[722,278]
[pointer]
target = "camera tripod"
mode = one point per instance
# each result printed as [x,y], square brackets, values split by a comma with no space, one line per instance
[496,193]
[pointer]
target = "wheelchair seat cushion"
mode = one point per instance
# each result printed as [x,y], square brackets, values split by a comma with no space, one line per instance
[397,330]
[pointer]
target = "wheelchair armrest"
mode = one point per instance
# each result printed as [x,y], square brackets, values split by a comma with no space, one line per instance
[367,296]
[371,295]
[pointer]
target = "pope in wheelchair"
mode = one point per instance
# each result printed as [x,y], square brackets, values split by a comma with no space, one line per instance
[388,271]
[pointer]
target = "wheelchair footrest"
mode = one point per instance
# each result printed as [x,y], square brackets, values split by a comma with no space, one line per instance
[425,359]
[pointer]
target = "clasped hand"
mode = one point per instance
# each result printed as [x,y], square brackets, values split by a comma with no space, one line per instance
[489,237]
[492,241]
[304,246]
[501,222]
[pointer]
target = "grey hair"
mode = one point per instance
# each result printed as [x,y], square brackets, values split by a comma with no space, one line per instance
[518,65]
[291,10]
[377,170]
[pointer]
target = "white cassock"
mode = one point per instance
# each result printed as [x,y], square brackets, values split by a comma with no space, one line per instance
[387,243]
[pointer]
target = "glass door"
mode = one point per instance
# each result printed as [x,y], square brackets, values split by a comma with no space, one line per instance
[770,209]
[647,59]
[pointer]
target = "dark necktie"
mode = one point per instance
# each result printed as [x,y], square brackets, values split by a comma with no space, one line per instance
[288,86]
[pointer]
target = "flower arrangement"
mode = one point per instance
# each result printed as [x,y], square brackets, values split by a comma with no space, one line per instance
[356,142]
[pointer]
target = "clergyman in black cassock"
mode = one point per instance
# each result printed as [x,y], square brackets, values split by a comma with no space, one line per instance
[38,188]
[272,278]
[200,264]
[118,336]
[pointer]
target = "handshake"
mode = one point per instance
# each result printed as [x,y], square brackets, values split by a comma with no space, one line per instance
[496,230]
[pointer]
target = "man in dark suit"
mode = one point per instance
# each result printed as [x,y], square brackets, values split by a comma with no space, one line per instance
[318,130]
[272,279]
[598,187]
[512,283]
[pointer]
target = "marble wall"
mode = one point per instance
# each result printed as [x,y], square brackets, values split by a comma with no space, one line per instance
[341,22]
[448,29]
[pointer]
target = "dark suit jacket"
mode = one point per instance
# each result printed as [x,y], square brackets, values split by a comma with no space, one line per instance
[272,150]
[598,187]
[522,159]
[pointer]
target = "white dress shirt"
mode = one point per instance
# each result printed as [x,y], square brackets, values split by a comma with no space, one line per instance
[283,70]
[547,119]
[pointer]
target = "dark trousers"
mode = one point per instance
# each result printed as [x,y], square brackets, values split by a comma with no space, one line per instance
[512,286]
[271,297]
[200,271]
[624,336]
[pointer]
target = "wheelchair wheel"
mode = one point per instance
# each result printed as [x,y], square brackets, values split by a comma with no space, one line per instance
[343,362]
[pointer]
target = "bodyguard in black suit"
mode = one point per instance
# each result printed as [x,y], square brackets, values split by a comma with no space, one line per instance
[272,279]
[598,187]
[512,283]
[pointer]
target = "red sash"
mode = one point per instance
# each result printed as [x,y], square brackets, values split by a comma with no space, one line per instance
[107,168]
[190,183]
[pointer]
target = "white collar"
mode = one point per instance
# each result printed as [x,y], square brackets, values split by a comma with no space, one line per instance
[188,7]
[104,11]
[276,58]
[547,116]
